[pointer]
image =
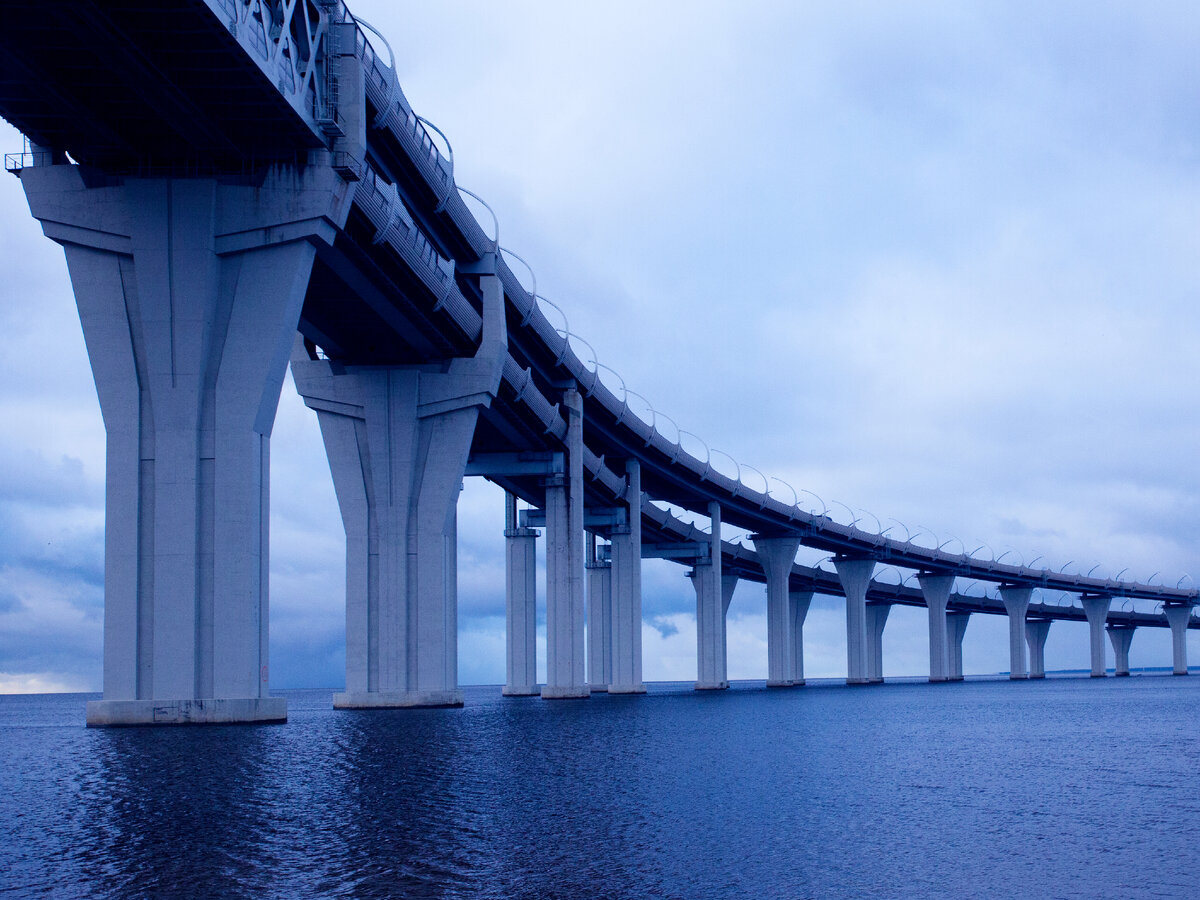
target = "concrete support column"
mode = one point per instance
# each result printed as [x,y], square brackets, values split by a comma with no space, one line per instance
[520,605]
[776,556]
[599,624]
[855,576]
[1035,636]
[565,664]
[877,614]
[189,292]
[798,604]
[1177,618]
[956,627]
[1096,609]
[714,590]
[1121,637]
[397,439]
[627,590]
[1016,602]
[936,589]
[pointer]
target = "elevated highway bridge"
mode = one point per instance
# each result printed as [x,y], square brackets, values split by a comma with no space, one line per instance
[242,184]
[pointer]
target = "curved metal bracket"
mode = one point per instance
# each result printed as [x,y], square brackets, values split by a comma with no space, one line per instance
[495,220]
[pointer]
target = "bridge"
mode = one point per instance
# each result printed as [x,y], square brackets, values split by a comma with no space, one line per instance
[241,186]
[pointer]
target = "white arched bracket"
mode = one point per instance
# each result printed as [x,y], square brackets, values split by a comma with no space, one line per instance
[566,347]
[538,298]
[449,154]
[495,239]
[532,294]
[707,452]
[394,83]
[737,466]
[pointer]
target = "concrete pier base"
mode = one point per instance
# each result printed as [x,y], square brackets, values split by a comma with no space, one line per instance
[1096,609]
[855,576]
[1035,636]
[1177,618]
[396,699]
[1016,602]
[1121,637]
[263,710]
[776,556]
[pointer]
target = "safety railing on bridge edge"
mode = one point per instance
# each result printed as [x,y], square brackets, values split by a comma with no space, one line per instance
[383,78]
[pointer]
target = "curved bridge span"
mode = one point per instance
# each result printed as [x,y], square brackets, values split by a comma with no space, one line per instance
[261,193]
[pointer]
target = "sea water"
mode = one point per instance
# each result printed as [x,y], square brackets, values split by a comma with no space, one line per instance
[1068,787]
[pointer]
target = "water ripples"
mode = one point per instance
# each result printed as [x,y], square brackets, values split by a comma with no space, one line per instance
[1057,789]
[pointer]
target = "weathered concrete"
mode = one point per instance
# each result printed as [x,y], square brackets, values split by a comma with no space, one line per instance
[877,614]
[1035,636]
[189,292]
[777,555]
[936,589]
[1016,602]
[956,626]
[1096,609]
[599,624]
[799,602]
[855,576]
[627,590]
[397,439]
[1177,618]
[566,676]
[261,710]
[520,605]
[1121,637]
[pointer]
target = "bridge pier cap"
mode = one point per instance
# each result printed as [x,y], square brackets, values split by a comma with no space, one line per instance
[189,293]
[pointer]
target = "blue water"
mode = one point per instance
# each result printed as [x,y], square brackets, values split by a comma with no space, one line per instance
[1063,788]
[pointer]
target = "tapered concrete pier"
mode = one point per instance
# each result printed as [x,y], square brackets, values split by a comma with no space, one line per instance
[714,591]
[627,590]
[599,623]
[1016,602]
[877,615]
[799,602]
[1035,636]
[1121,637]
[956,627]
[189,292]
[398,439]
[855,576]
[565,662]
[777,555]
[520,604]
[936,589]
[1096,609]
[1177,618]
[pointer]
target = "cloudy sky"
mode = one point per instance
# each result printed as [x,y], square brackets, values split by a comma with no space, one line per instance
[936,261]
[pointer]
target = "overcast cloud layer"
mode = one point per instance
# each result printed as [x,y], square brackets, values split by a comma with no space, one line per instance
[937,261]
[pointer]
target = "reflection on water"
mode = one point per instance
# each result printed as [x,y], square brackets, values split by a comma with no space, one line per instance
[1070,788]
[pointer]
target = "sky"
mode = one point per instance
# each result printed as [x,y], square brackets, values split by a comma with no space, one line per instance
[936,262]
